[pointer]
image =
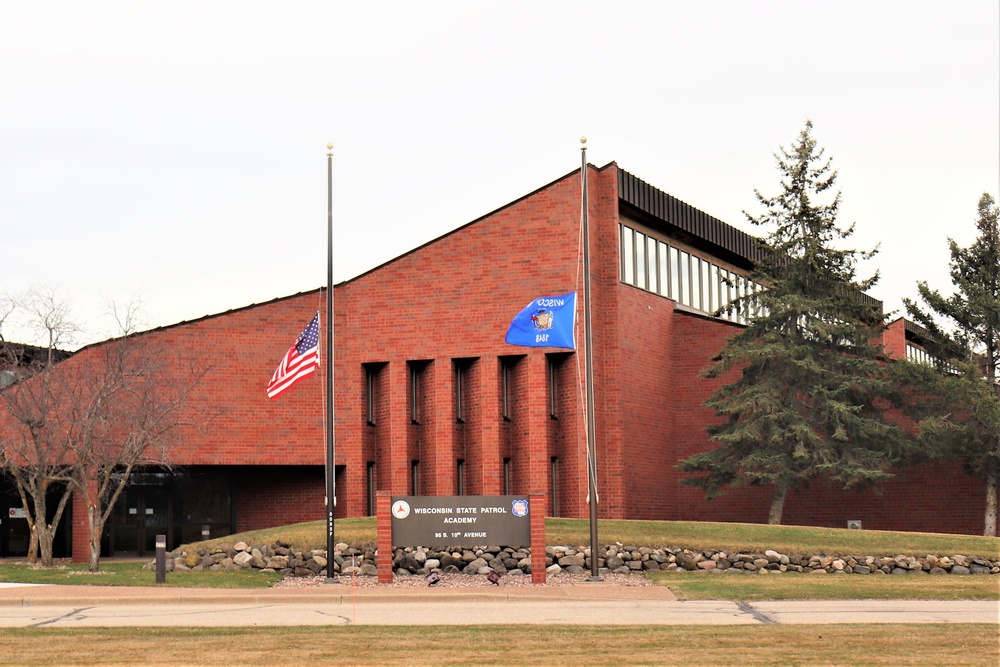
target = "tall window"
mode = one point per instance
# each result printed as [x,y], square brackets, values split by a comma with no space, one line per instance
[461,376]
[553,386]
[640,261]
[370,478]
[414,478]
[554,471]
[370,372]
[506,369]
[460,478]
[415,374]
[628,255]
[657,267]
[506,476]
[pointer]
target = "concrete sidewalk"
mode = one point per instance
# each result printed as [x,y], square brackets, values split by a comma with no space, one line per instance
[581,604]
[22,594]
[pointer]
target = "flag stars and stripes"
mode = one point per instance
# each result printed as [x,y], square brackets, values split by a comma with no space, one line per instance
[300,361]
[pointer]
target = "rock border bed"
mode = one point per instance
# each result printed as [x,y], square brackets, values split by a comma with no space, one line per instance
[613,559]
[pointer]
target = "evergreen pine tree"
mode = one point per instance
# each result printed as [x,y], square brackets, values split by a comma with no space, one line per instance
[969,427]
[807,402]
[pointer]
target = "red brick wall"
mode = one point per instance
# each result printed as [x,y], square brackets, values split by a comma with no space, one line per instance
[276,496]
[696,340]
[453,299]
[647,377]
[894,339]
[925,498]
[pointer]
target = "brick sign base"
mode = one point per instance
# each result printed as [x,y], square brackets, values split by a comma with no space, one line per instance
[383,510]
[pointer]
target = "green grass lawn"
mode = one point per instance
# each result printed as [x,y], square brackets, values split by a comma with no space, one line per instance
[749,587]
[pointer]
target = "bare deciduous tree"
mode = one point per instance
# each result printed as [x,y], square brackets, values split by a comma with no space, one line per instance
[83,425]
[30,451]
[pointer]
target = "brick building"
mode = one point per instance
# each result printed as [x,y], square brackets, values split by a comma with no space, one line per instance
[431,401]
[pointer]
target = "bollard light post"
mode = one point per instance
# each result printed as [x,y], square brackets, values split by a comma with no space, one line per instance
[161,559]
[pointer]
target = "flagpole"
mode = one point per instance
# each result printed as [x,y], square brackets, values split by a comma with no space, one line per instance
[331,467]
[589,365]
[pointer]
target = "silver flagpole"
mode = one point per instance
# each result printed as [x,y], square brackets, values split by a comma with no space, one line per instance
[331,467]
[589,365]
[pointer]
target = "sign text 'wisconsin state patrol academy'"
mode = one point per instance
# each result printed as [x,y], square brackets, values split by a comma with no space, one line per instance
[460,521]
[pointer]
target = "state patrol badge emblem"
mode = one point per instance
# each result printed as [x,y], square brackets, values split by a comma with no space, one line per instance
[519,508]
[401,509]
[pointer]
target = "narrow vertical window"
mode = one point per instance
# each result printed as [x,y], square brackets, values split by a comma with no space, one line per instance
[370,478]
[414,478]
[460,478]
[553,403]
[459,392]
[663,255]
[654,277]
[721,287]
[621,252]
[741,291]
[696,297]
[730,287]
[505,389]
[704,291]
[640,261]
[555,485]
[414,393]
[628,257]
[370,395]
[679,274]
[710,289]
[506,476]
[690,280]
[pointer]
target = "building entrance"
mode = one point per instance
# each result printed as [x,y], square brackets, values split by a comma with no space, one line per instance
[141,514]
[186,506]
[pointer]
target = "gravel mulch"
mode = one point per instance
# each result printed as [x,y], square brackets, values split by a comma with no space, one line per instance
[465,581]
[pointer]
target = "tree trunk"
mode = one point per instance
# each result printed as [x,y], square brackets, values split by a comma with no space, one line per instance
[96,527]
[33,544]
[990,527]
[44,533]
[46,536]
[777,503]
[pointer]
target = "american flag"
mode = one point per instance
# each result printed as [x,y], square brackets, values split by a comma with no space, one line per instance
[300,361]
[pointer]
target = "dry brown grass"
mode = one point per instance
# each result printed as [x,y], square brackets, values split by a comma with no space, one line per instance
[732,586]
[692,535]
[746,646]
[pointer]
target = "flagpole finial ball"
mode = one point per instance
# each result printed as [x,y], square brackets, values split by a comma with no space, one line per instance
[583,140]
[329,147]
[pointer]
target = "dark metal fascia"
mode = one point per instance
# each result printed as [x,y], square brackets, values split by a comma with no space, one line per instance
[665,212]
[695,226]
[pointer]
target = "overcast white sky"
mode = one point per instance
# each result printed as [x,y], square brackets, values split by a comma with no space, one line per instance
[176,150]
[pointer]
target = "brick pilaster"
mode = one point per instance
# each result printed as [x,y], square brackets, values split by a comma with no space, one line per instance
[439,448]
[536,513]
[383,509]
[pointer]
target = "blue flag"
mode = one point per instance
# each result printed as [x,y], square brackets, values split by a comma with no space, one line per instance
[549,321]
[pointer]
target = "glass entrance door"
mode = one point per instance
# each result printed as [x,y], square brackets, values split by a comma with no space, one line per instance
[141,514]
[155,517]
